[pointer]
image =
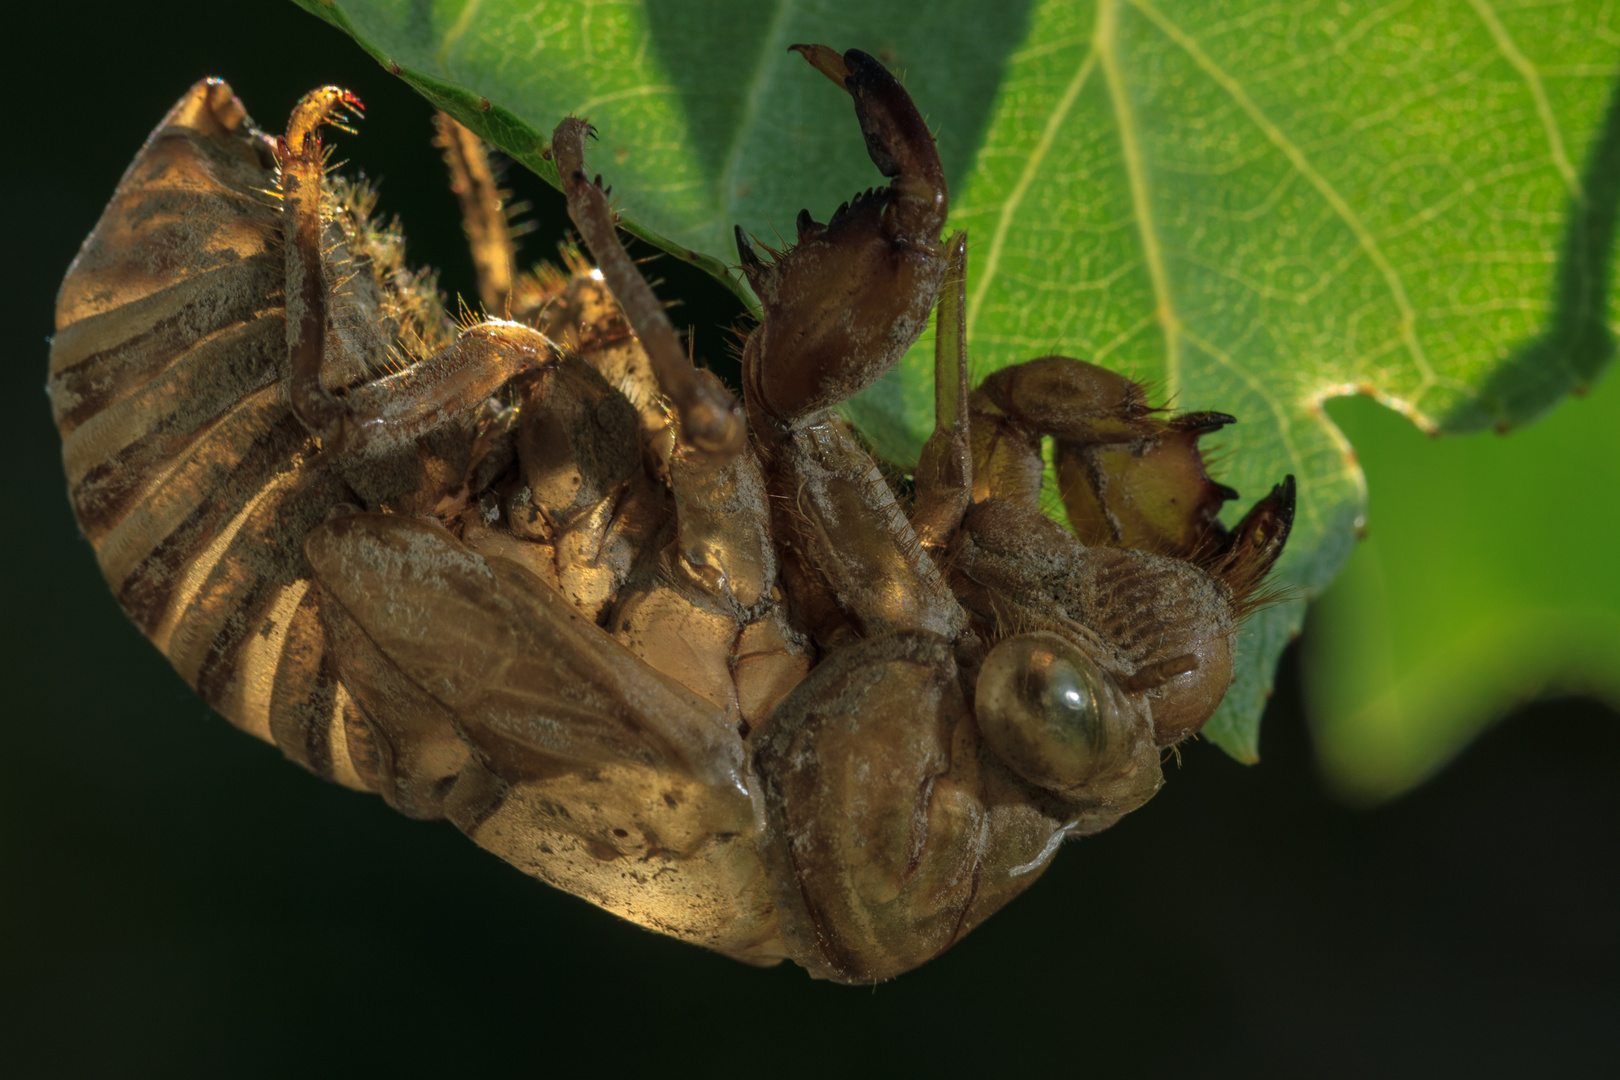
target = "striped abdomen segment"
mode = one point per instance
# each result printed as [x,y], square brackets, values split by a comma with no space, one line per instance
[187,469]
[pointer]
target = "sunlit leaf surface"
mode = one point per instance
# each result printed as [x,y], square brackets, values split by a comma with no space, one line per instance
[1256,207]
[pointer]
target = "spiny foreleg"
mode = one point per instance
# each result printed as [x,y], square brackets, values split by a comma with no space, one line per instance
[380,416]
[853,294]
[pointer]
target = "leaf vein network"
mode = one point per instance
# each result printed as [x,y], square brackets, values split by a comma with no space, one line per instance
[1296,157]
[644,90]
[1538,93]
[464,19]
[1032,166]
[1131,152]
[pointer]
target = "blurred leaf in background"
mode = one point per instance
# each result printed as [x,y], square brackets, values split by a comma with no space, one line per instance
[1255,208]
[1491,576]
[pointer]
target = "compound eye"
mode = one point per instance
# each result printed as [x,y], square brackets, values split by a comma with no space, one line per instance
[1043,708]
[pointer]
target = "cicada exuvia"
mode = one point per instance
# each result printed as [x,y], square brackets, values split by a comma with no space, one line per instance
[693,661]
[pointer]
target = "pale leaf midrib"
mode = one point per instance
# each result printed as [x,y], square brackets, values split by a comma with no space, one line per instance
[1164,308]
[1032,166]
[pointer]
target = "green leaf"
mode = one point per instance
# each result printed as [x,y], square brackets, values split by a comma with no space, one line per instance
[1255,207]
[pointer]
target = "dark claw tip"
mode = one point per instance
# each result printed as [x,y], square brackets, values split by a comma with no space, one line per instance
[1203,423]
[1280,508]
[867,71]
[745,250]
[1285,492]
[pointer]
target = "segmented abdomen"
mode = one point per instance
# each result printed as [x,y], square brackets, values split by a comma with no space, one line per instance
[187,469]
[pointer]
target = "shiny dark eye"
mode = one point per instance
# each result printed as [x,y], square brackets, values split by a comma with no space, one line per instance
[1044,710]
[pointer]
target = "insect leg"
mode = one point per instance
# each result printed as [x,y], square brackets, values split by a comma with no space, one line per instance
[584,491]
[945,469]
[1248,552]
[709,614]
[723,518]
[1107,437]
[303,164]
[489,234]
[711,422]
[853,294]
[898,139]
[840,308]
[1080,403]
[448,387]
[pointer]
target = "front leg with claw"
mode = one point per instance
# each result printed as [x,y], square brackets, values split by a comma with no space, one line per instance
[840,309]
[853,294]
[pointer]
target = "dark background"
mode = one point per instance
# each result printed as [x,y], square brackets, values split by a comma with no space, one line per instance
[176,900]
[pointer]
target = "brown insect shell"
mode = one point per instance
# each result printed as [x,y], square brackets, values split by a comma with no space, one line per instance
[655,822]
[199,489]
[584,659]
[1161,629]
[875,873]
[187,470]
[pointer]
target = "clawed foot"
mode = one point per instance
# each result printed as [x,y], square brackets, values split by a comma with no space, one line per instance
[854,293]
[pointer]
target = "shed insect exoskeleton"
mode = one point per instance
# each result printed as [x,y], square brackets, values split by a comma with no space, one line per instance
[691,661]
